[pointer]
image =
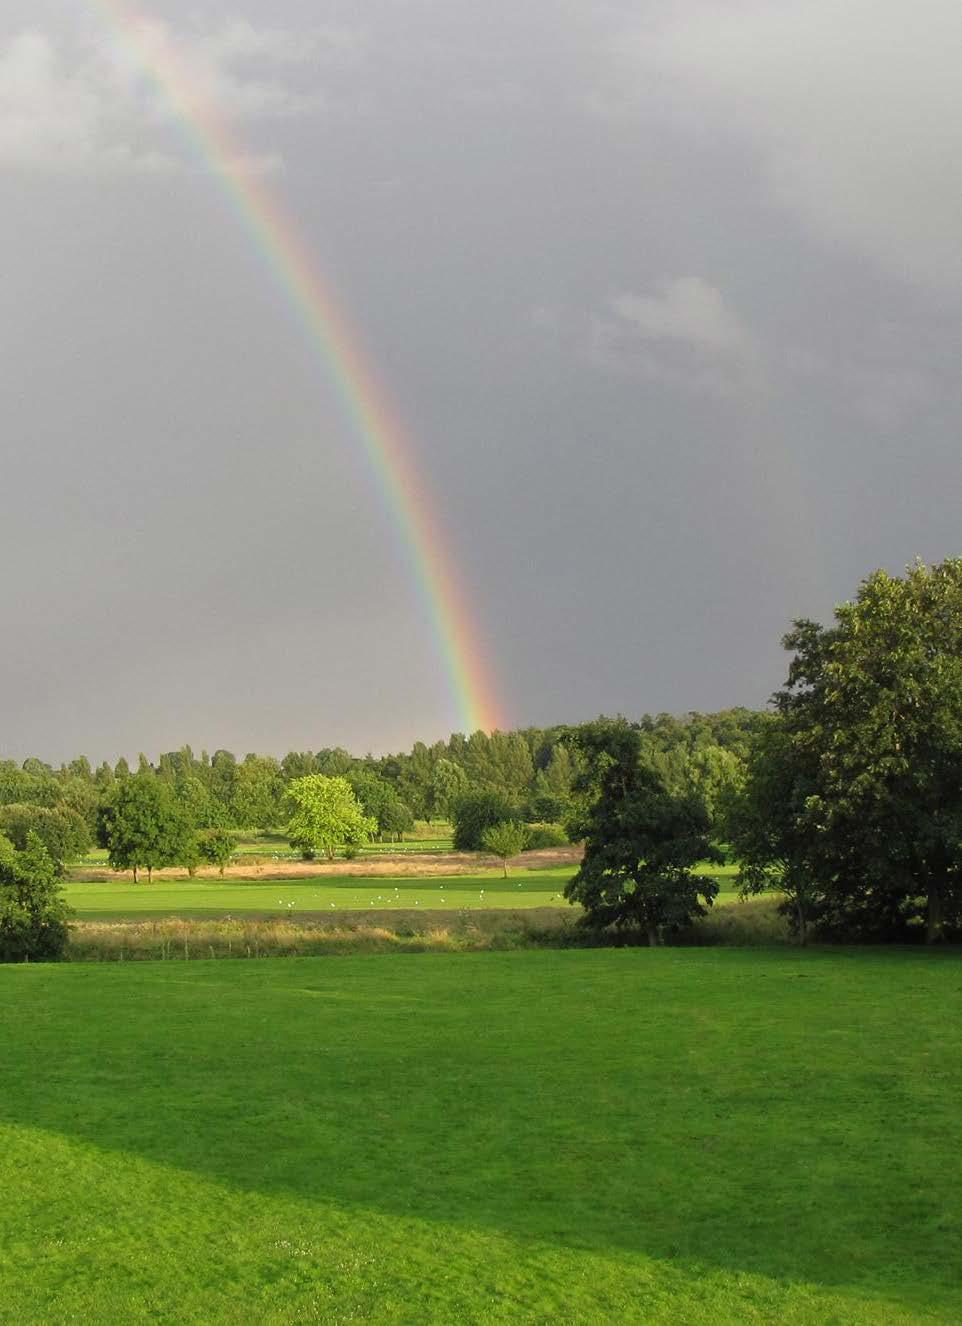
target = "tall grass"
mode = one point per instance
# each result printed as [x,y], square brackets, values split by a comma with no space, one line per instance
[744,924]
[173,939]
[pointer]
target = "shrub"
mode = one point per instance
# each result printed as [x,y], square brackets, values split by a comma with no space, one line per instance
[33,913]
[63,832]
[476,811]
[542,836]
[550,807]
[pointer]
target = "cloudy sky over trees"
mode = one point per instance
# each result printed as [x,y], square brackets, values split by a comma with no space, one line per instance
[667,294]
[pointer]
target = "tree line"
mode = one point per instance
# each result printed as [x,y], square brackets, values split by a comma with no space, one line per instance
[199,801]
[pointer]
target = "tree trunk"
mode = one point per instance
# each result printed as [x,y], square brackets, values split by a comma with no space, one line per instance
[802,928]
[933,920]
[654,936]
[504,866]
[135,874]
[150,874]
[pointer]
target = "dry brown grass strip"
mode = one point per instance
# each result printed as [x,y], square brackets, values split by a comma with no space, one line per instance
[750,923]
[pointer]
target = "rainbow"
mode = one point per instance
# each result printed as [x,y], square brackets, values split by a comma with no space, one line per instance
[284,249]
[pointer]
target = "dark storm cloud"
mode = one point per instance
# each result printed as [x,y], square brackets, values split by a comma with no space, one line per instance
[674,339]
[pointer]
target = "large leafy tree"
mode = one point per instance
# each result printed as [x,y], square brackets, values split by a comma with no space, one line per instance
[380,800]
[258,793]
[33,913]
[326,814]
[766,823]
[448,782]
[395,820]
[298,764]
[142,825]
[640,840]
[871,718]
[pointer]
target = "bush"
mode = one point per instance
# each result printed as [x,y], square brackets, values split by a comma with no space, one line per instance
[63,832]
[473,812]
[33,913]
[215,847]
[542,836]
[549,807]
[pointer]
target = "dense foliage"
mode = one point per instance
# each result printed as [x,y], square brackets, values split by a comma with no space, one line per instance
[853,800]
[62,830]
[474,813]
[641,840]
[143,825]
[33,913]
[325,815]
[186,810]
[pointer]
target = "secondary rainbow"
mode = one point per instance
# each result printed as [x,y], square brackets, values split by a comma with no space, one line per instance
[283,247]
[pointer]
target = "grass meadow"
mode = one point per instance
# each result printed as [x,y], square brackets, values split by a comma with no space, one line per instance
[586,1136]
[327,894]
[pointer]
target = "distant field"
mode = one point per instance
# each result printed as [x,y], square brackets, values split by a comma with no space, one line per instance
[324,894]
[208,897]
[697,1136]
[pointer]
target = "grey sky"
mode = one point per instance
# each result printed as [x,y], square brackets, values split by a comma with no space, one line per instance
[668,295]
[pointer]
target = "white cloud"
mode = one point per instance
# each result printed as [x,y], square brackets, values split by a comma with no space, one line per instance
[76,107]
[48,115]
[856,108]
[687,309]
[683,333]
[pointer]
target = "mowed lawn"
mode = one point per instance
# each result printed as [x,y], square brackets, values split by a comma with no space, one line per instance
[327,894]
[697,1136]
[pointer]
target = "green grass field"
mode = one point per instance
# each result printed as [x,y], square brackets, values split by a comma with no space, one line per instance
[580,1137]
[323,894]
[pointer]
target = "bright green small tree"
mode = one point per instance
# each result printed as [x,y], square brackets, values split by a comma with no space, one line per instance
[33,913]
[504,841]
[327,815]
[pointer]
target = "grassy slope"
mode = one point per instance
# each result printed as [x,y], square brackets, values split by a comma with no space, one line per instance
[577,1137]
[327,894]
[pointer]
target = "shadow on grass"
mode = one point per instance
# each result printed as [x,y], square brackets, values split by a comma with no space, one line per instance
[786,1113]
